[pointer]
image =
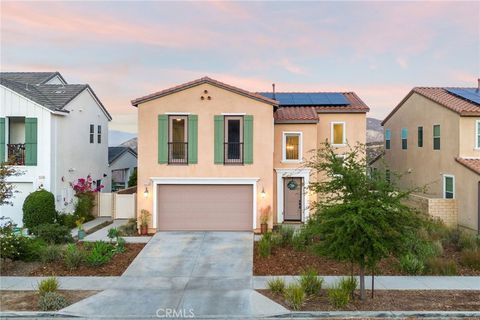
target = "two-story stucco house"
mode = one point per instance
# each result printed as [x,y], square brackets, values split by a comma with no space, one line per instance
[122,162]
[433,138]
[211,156]
[54,133]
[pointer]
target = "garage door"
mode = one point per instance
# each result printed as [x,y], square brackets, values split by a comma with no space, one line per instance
[205,207]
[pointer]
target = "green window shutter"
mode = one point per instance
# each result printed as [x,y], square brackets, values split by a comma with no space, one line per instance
[192,138]
[2,140]
[218,139]
[162,138]
[31,141]
[248,139]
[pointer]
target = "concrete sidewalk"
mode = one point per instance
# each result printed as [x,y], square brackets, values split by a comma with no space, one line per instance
[101,235]
[87,226]
[393,282]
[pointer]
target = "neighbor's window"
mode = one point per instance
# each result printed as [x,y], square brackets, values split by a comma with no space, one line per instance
[292,146]
[420,137]
[233,144]
[436,137]
[448,187]
[404,138]
[387,139]
[338,133]
[92,133]
[99,134]
[177,140]
[477,134]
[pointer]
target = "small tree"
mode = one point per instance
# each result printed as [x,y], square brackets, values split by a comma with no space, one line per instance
[360,218]
[7,189]
[132,180]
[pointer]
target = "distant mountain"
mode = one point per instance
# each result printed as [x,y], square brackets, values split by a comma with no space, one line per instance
[132,143]
[116,138]
[374,131]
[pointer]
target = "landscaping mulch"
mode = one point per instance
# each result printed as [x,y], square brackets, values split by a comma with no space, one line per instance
[394,300]
[28,300]
[115,267]
[287,261]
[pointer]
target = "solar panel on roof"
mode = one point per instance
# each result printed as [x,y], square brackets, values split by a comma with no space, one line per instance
[308,99]
[470,94]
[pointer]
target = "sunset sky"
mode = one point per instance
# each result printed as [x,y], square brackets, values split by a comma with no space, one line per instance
[128,49]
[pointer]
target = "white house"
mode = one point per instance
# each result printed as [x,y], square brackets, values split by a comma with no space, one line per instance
[122,162]
[55,133]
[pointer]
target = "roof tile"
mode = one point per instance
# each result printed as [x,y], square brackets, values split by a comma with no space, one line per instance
[471,163]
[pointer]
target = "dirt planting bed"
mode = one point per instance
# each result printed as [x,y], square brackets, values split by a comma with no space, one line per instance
[394,300]
[28,300]
[115,267]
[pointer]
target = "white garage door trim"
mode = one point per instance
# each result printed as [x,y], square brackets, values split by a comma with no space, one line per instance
[243,181]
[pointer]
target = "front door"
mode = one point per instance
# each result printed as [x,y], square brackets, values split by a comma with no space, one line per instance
[292,195]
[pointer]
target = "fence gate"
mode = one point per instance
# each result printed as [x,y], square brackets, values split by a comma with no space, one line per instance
[118,205]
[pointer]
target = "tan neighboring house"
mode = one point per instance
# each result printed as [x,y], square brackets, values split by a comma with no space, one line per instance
[433,138]
[211,156]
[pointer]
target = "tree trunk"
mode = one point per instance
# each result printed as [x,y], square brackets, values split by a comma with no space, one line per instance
[362,280]
[373,281]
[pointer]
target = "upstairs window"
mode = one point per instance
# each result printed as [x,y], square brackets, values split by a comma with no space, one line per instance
[387,139]
[178,140]
[420,137]
[92,133]
[99,134]
[233,143]
[292,146]
[448,187]
[477,134]
[338,133]
[404,138]
[436,137]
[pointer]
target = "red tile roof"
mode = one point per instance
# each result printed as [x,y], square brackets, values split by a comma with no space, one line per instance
[296,114]
[470,163]
[200,81]
[309,113]
[443,98]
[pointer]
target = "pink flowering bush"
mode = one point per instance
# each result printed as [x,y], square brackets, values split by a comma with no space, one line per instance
[85,185]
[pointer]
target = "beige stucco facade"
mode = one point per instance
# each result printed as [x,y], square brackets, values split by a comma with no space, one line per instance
[268,165]
[424,166]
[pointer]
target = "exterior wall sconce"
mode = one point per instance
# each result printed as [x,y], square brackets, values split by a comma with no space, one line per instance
[263,193]
[145,193]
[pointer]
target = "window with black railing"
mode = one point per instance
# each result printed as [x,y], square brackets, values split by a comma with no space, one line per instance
[178,152]
[233,145]
[16,154]
[233,152]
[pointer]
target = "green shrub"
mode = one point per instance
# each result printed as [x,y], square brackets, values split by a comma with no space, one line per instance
[132,180]
[73,257]
[294,295]
[411,265]
[100,254]
[113,233]
[84,206]
[53,233]
[120,245]
[471,258]
[265,246]
[129,229]
[286,234]
[31,249]
[52,301]
[301,239]
[51,253]
[67,220]
[467,241]
[39,208]
[338,296]
[436,229]
[10,244]
[349,284]
[440,266]
[276,285]
[453,237]
[48,285]
[310,282]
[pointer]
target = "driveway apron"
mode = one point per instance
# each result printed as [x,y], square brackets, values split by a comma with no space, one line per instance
[205,274]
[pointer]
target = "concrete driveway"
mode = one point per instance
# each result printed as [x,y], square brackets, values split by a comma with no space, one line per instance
[202,273]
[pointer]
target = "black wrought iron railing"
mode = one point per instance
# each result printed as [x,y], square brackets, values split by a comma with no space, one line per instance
[16,154]
[178,152]
[233,153]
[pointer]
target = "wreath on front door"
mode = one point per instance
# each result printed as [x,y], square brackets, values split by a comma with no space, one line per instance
[292,185]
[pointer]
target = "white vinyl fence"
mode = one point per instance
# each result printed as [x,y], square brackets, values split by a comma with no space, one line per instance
[116,205]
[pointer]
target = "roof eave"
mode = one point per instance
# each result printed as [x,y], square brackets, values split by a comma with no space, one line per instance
[295,121]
